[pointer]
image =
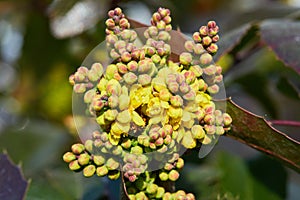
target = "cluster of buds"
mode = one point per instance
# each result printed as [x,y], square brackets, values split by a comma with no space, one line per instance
[149,109]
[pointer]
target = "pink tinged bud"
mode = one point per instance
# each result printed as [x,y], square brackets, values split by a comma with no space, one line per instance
[98,105]
[111,13]
[190,96]
[211,24]
[197,70]
[132,66]
[227,119]
[213,31]
[197,37]
[210,70]
[68,157]
[114,55]
[220,130]
[206,41]
[215,38]
[176,101]
[112,164]
[152,145]
[189,77]
[210,129]
[184,88]
[124,24]
[156,17]
[159,141]
[130,78]
[153,31]
[168,27]
[169,166]
[209,119]
[132,178]
[84,159]
[77,148]
[213,48]
[168,140]
[98,160]
[205,59]
[161,25]
[79,77]
[189,46]
[218,79]
[173,175]
[89,95]
[173,87]
[164,36]
[98,143]
[126,57]
[120,44]
[198,49]
[161,51]
[180,78]
[213,89]
[74,165]
[113,101]
[144,79]
[167,19]
[101,171]
[89,145]
[111,39]
[122,68]
[179,163]
[89,170]
[150,51]
[156,58]
[110,23]
[185,58]
[203,31]
[72,79]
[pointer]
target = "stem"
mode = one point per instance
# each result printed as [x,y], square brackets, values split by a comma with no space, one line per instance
[285,123]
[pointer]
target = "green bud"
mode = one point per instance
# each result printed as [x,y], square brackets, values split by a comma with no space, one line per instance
[185,58]
[156,58]
[151,188]
[136,150]
[176,101]
[77,148]
[190,196]
[179,163]
[167,196]
[227,119]
[110,71]
[68,157]
[117,150]
[173,175]
[113,175]
[161,25]
[112,164]
[164,36]
[220,130]
[84,159]
[89,145]
[130,78]
[126,143]
[141,196]
[111,115]
[163,176]
[168,166]
[98,160]
[101,171]
[74,165]
[160,192]
[197,132]
[89,170]
[140,184]
[89,95]
[72,79]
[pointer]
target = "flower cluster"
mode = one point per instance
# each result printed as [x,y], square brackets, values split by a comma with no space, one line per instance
[148,107]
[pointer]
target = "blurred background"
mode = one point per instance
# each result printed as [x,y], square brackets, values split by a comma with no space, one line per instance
[42,42]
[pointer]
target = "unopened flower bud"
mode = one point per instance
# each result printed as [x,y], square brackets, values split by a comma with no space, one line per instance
[189,46]
[167,196]
[185,58]
[77,148]
[206,41]
[112,164]
[161,25]
[68,157]
[213,89]
[136,150]
[164,36]
[179,163]
[213,48]
[110,23]
[197,37]
[197,132]
[84,159]
[190,96]
[189,76]
[176,101]
[227,119]
[160,192]
[141,196]
[173,175]
[130,78]
[210,129]
[79,88]
[151,188]
[101,171]
[215,38]
[205,59]
[98,160]
[124,23]
[163,176]
[198,49]
[156,17]
[126,57]
[144,79]
[203,31]
[173,87]
[89,170]
[74,165]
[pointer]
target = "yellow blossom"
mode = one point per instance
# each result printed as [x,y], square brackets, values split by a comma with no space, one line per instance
[137,119]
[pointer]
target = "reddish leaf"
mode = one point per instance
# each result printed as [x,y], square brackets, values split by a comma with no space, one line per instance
[283,37]
[13,185]
[256,132]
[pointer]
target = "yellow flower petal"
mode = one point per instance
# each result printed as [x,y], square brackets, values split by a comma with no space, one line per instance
[100,120]
[113,140]
[124,117]
[137,119]
[116,129]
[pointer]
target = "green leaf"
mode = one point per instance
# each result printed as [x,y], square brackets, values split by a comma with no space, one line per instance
[282,36]
[256,132]
[288,88]
[12,183]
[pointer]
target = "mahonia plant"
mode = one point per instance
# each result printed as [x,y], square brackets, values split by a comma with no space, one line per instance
[149,108]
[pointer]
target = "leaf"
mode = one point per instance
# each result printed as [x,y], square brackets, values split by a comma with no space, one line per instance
[256,132]
[287,88]
[282,36]
[13,185]
[236,39]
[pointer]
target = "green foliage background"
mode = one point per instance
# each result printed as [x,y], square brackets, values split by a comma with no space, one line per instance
[36,125]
